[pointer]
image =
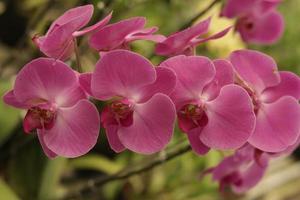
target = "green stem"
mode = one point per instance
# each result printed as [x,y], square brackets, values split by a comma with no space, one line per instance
[92,185]
[200,14]
[76,49]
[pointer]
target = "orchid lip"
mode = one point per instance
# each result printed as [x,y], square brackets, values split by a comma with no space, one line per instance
[122,111]
[195,113]
[247,23]
[39,117]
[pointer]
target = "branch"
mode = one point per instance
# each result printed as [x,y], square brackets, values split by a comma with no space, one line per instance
[200,14]
[130,171]
[77,55]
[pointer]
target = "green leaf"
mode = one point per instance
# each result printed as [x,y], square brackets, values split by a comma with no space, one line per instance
[6,192]
[8,115]
[96,162]
[25,170]
[50,178]
[32,175]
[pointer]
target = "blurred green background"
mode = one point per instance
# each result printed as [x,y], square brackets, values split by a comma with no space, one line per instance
[25,172]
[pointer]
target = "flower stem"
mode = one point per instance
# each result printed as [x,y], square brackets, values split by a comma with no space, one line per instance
[94,184]
[200,14]
[76,49]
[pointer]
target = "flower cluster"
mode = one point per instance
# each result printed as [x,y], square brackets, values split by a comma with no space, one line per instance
[242,103]
[258,21]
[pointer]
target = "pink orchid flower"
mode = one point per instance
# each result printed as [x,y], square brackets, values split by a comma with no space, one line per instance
[120,34]
[242,170]
[275,98]
[213,111]
[59,41]
[258,21]
[185,42]
[245,168]
[67,123]
[139,115]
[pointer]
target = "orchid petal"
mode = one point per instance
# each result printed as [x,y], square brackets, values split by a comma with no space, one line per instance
[249,177]
[265,29]
[231,119]
[85,80]
[215,36]
[275,130]
[10,99]
[111,129]
[113,35]
[113,138]
[196,144]
[240,171]
[79,16]
[288,86]
[153,38]
[224,76]
[121,73]
[59,44]
[237,8]
[75,131]
[193,74]
[257,69]
[45,79]
[47,151]
[268,5]
[145,34]
[153,125]
[93,28]
[176,43]
[165,83]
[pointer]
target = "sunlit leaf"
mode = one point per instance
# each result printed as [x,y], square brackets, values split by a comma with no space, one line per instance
[32,175]
[96,162]
[6,192]
[8,115]
[50,178]
[231,41]
[26,169]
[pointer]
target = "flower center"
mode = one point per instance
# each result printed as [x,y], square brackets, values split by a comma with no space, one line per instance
[121,109]
[191,116]
[39,118]
[231,179]
[246,23]
[118,112]
[249,25]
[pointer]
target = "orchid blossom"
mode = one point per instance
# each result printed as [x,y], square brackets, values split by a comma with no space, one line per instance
[275,97]
[59,41]
[139,115]
[67,123]
[120,34]
[185,41]
[258,21]
[213,111]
